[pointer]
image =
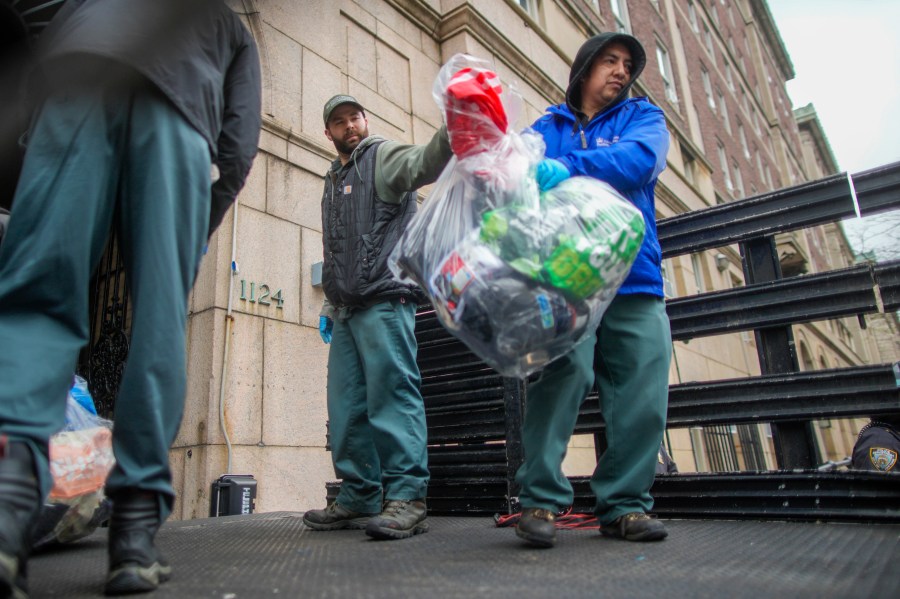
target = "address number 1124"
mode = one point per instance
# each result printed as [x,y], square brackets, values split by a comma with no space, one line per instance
[261,294]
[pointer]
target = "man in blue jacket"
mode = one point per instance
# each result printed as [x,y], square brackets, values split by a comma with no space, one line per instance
[149,124]
[600,132]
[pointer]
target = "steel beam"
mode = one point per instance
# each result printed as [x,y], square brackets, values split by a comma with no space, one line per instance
[830,496]
[887,276]
[806,205]
[774,303]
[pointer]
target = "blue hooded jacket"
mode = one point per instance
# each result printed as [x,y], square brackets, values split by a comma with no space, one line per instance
[624,145]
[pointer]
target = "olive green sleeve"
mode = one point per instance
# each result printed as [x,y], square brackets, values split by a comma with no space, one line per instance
[401,168]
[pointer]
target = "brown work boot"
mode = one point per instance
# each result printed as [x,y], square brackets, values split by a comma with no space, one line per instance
[336,517]
[20,505]
[399,519]
[636,526]
[537,526]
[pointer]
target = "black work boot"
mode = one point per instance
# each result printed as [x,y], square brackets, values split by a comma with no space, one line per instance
[537,526]
[400,519]
[336,517]
[636,526]
[135,565]
[20,504]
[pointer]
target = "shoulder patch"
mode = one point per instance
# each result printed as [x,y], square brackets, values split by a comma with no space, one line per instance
[883,458]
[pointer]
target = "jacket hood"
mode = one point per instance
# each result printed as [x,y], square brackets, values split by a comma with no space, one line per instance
[585,58]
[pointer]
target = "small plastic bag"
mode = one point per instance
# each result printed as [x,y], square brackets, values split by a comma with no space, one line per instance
[519,276]
[81,457]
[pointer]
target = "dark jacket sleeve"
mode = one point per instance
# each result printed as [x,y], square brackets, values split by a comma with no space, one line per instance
[241,123]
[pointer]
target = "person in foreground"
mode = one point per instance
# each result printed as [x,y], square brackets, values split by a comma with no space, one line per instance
[148,124]
[375,409]
[600,132]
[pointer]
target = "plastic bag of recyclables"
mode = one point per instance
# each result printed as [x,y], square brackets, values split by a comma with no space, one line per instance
[519,276]
[81,457]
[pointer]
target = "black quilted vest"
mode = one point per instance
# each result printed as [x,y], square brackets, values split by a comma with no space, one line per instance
[358,233]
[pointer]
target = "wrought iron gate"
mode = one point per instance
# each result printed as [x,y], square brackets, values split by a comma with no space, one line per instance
[102,361]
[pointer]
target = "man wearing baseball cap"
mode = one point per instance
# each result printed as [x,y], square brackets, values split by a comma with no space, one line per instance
[600,132]
[375,409]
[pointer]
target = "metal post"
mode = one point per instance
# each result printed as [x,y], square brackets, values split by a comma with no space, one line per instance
[795,445]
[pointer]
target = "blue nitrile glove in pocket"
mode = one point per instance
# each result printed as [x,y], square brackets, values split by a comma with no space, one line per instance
[325,326]
[550,173]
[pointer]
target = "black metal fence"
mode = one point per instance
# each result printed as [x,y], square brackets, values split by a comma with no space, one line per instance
[102,361]
[474,415]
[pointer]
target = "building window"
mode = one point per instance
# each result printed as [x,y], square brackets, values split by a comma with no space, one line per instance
[707,39]
[769,178]
[723,166]
[696,264]
[690,166]
[738,180]
[692,16]
[743,139]
[724,109]
[730,15]
[620,12]
[714,10]
[744,102]
[529,6]
[707,87]
[755,118]
[665,69]
[728,75]
[668,287]
[759,166]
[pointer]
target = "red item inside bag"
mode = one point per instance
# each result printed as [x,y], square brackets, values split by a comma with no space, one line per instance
[476,120]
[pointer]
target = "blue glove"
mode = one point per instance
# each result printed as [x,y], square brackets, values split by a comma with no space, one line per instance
[325,326]
[550,173]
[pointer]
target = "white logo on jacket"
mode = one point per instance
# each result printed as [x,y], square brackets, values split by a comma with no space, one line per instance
[602,143]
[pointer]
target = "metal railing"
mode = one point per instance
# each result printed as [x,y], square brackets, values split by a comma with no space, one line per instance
[474,415]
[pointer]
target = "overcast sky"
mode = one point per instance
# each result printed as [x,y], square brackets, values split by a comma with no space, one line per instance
[846,56]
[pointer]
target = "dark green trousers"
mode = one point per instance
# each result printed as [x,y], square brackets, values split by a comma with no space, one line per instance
[629,359]
[375,410]
[100,156]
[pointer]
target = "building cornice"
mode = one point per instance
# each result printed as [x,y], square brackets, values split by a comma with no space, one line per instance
[773,37]
[465,19]
[418,12]
[807,118]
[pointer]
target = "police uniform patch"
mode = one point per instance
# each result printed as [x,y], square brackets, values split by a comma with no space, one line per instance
[348,189]
[882,458]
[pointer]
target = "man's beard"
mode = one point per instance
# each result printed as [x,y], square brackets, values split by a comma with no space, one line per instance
[347,148]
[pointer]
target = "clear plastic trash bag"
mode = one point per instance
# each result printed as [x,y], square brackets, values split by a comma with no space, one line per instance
[81,457]
[519,276]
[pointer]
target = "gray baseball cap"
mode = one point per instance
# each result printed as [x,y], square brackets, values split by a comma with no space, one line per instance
[336,101]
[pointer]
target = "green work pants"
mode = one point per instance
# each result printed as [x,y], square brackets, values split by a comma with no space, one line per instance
[101,155]
[629,359]
[375,410]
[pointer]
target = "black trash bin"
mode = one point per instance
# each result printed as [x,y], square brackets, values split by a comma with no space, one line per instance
[233,495]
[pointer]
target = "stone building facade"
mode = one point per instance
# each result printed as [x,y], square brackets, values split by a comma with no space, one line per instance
[257,366]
